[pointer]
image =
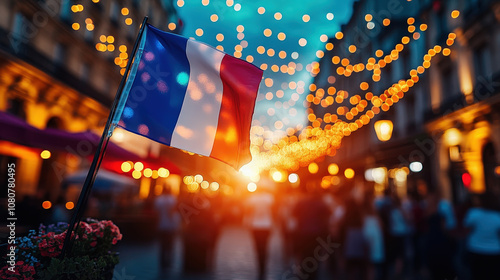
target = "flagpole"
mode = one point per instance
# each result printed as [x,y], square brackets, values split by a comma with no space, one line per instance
[99,154]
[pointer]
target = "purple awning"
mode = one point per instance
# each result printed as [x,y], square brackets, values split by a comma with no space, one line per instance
[82,144]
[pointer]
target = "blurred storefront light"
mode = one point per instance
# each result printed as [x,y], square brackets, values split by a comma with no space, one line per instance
[326,182]
[204,185]
[278,176]
[164,173]
[368,175]
[400,175]
[452,137]
[126,166]
[70,205]
[136,174]
[455,153]
[197,178]
[383,129]
[466,179]
[138,166]
[335,180]
[293,178]
[416,166]
[148,172]
[46,204]
[497,170]
[214,186]
[379,174]
[45,154]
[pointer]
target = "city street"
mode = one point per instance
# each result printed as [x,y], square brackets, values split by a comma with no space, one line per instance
[252,140]
[235,259]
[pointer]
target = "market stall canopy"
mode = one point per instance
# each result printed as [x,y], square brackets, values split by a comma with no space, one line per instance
[82,144]
[105,181]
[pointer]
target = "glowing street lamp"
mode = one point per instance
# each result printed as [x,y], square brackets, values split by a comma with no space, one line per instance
[383,128]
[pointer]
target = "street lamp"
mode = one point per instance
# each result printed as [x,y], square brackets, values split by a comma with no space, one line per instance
[383,128]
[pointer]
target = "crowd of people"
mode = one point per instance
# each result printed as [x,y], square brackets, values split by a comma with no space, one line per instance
[354,234]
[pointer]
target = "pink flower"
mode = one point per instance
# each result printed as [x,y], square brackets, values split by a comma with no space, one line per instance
[93,243]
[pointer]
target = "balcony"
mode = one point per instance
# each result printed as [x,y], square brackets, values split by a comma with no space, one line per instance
[29,54]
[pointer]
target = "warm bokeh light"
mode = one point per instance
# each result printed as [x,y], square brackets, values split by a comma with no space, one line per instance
[383,129]
[148,172]
[126,166]
[214,186]
[70,205]
[45,154]
[46,204]
[138,166]
[280,145]
[163,172]
[452,137]
[349,173]
[136,174]
[416,166]
[251,187]
[313,168]
[333,169]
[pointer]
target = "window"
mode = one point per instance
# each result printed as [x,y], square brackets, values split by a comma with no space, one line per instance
[85,71]
[19,35]
[60,54]
[65,12]
[114,12]
[482,61]
[88,36]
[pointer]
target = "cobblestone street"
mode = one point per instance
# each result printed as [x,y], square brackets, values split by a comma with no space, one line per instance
[234,259]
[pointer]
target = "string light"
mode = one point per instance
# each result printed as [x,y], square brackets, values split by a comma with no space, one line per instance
[324,134]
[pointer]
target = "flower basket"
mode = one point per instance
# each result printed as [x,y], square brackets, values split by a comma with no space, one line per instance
[92,258]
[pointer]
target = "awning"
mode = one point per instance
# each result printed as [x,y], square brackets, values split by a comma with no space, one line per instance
[82,144]
[105,181]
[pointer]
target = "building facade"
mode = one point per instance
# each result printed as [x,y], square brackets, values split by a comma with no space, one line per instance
[445,123]
[60,64]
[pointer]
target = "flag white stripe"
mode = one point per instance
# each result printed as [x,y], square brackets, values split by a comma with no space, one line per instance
[197,124]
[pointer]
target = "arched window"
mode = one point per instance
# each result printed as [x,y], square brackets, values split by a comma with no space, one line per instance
[492,181]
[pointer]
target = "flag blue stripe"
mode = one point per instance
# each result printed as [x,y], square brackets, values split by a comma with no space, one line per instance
[157,93]
[130,79]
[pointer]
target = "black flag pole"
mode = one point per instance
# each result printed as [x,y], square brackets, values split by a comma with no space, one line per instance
[99,154]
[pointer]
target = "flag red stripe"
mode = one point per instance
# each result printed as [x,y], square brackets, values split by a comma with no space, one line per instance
[240,87]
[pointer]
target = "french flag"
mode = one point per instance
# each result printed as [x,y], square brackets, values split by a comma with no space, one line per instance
[191,96]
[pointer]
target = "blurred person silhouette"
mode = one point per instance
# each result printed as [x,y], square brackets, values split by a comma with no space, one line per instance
[336,205]
[483,240]
[288,224]
[259,218]
[398,233]
[374,238]
[311,214]
[395,230]
[355,245]
[439,245]
[200,232]
[414,211]
[168,224]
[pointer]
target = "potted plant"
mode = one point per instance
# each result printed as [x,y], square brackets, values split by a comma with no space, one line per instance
[38,254]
